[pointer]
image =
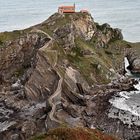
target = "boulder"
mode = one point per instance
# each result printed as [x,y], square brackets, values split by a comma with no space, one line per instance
[134,60]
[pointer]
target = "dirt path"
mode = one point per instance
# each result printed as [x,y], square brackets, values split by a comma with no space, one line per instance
[40,31]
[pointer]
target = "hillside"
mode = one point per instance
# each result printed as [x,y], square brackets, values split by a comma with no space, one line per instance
[61,72]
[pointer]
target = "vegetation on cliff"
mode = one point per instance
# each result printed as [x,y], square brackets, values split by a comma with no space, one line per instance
[64,133]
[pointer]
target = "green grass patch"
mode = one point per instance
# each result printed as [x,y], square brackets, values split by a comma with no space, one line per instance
[6,36]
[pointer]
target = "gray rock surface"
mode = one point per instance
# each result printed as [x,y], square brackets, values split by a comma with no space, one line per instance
[134,60]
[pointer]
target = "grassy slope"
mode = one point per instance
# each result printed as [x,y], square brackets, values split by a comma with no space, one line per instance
[89,64]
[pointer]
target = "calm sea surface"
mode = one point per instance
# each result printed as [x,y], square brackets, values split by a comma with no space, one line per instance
[124,14]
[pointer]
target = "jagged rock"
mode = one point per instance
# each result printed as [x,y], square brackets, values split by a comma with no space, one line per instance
[65,36]
[71,111]
[84,26]
[43,80]
[134,60]
[20,55]
[135,66]
[75,98]
[29,128]
[106,34]
[15,137]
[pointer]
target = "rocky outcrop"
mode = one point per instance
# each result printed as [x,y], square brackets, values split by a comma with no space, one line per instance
[83,26]
[19,55]
[79,26]
[65,36]
[106,34]
[134,60]
[42,81]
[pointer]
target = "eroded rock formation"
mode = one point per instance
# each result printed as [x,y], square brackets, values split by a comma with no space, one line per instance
[57,72]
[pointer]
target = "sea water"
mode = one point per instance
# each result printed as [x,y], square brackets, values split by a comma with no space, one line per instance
[126,105]
[123,14]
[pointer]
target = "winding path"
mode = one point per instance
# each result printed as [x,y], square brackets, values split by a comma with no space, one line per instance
[54,99]
[40,31]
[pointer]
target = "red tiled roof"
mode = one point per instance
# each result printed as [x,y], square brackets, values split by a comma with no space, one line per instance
[66,7]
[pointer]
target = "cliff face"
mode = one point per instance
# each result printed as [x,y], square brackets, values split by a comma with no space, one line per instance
[49,74]
[18,55]
[134,59]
